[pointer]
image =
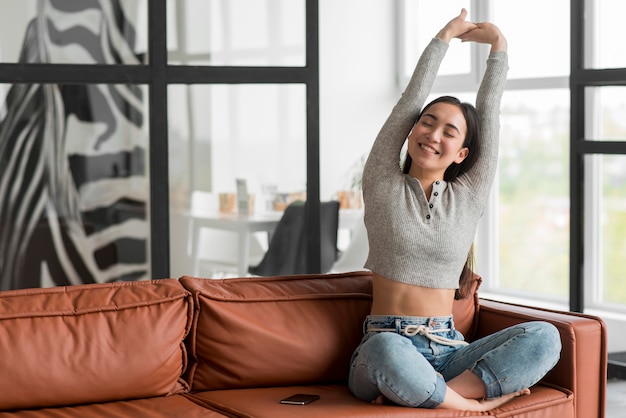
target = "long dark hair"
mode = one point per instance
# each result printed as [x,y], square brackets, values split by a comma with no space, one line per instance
[471,138]
[455,170]
[467,276]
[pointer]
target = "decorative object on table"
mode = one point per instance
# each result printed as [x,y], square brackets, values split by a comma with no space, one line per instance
[245,201]
[350,199]
[228,202]
[268,195]
[282,200]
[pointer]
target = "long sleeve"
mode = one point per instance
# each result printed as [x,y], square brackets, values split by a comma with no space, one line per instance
[479,178]
[385,154]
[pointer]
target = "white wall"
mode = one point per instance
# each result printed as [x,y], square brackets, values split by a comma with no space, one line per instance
[357,82]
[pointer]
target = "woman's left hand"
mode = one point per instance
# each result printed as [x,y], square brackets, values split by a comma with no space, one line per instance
[456,27]
[486,33]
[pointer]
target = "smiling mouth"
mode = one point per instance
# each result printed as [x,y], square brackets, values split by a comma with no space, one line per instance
[428,148]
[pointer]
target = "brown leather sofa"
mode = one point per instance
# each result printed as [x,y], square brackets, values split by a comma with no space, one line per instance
[213,348]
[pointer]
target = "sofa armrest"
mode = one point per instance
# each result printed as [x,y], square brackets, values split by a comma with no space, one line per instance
[582,368]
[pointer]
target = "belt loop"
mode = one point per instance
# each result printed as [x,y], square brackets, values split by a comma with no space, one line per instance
[398,324]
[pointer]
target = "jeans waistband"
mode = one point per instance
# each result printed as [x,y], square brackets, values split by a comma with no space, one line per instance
[411,325]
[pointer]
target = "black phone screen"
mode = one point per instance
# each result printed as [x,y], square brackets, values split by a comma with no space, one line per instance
[299,399]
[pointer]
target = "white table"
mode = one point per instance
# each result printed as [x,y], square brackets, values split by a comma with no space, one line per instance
[244,226]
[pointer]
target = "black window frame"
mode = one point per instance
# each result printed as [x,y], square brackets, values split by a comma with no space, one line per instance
[580,78]
[158,75]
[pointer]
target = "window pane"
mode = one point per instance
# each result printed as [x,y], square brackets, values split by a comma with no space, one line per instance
[533,206]
[613,228]
[605,229]
[74,32]
[237,32]
[608,107]
[73,184]
[422,20]
[537,32]
[603,18]
[221,133]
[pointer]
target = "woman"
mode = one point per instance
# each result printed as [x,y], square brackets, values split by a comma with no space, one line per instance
[421,222]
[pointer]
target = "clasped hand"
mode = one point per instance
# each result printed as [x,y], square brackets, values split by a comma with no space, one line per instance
[483,32]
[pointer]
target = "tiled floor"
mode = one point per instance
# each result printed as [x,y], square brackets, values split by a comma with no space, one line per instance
[616,399]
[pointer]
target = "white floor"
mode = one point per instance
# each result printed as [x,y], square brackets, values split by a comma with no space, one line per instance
[616,399]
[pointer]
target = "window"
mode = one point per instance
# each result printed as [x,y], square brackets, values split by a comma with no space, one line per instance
[237,32]
[554,230]
[603,17]
[532,207]
[226,132]
[527,244]
[605,221]
[220,132]
[598,153]
[527,222]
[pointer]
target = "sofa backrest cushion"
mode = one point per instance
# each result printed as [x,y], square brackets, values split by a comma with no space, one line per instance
[465,311]
[92,343]
[275,331]
[279,331]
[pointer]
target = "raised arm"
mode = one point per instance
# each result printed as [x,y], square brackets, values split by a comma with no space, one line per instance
[488,101]
[384,156]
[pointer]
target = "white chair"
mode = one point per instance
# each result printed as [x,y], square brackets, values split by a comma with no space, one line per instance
[354,256]
[216,251]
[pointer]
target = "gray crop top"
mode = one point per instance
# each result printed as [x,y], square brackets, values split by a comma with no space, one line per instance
[411,239]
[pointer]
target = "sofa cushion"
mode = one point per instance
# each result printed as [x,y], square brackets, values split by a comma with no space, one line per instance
[337,401]
[275,331]
[92,343]
[465,311]
[160,407]
[278,331]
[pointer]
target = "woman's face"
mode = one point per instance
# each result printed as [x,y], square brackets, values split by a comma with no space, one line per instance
[436,140]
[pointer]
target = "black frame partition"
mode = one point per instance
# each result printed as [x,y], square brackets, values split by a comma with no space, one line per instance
[308,75]
[157,75]
[173,74]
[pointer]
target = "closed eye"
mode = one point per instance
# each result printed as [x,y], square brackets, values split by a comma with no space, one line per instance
[448,125]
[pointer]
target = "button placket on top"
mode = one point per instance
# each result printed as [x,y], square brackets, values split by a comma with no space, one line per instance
[431,203]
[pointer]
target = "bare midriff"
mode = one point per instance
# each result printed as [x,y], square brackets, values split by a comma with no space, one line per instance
[395,298]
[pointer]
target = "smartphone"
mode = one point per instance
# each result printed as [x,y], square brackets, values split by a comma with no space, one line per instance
[299,399]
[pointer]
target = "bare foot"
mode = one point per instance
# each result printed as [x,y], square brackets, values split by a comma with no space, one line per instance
[455,401]
[381,400]
[487,404]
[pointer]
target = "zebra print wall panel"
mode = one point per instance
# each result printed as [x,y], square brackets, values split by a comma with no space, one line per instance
[73,158]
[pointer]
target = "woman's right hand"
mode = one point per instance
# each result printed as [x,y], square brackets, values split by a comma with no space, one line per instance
[486,33]
[456,27]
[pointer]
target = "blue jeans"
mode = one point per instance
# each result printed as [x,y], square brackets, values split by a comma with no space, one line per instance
[413,370]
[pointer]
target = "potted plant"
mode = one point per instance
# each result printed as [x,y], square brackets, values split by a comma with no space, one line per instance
[351,194]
